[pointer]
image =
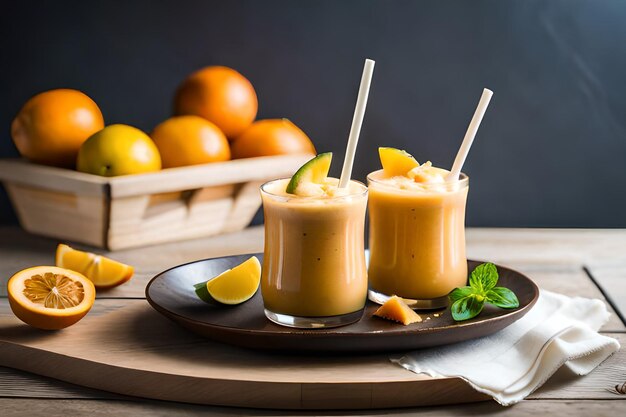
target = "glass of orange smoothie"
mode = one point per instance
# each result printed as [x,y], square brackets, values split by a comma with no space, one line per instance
[417,234]
[314,272]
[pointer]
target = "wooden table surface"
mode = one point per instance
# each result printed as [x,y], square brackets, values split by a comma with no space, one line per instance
[589,263]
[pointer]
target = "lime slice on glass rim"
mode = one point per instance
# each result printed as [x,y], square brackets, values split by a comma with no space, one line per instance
[314,171]
[396,162]
[233,286]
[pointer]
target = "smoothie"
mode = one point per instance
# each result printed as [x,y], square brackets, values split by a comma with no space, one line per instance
[314,263]
[417,233]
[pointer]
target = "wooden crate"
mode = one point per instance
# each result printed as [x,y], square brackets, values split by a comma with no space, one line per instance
[143,209]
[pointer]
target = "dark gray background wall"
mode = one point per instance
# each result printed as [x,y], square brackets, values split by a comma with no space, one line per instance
[551,150]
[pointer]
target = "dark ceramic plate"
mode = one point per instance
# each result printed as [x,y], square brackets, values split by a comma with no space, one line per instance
[172,294]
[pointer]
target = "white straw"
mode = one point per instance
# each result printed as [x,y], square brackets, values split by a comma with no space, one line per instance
[470,135]
[357,121]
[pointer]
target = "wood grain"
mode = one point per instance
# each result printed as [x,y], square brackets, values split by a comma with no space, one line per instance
[23,172]
[611,278]
[174,179]
[200,176]
[19,384]
[134,351]
[572,282]
[550,246]
[59,214]
[97,408]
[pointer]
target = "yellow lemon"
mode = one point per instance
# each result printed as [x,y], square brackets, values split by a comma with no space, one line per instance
[233,286]
[118,150]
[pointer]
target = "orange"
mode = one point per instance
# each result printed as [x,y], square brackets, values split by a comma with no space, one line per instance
[52,125]
[50,298]
[221,95]
[118,150]
[103,272]
[271,137]
[190,140]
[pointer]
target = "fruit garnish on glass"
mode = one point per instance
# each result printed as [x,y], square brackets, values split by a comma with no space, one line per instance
[311,179]
[401,168]
[396,162]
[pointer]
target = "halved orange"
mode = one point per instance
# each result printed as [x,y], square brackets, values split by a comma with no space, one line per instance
[50,298]
[103,272]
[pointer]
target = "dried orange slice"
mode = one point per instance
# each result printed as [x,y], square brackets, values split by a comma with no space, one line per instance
[50,298]
[103,272]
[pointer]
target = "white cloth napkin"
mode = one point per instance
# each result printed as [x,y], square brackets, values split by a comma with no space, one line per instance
[512,363]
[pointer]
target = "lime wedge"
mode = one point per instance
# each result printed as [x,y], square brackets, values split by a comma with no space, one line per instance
[315,171]
[233,286]
[202,292]
[396,162]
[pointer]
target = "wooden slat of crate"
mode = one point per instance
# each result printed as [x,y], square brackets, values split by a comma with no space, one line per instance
[60,214]
[172,179]
[200,176]
[51,178]
[172,222]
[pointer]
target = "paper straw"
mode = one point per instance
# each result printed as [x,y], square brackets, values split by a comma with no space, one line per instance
[357,121]
[470,135]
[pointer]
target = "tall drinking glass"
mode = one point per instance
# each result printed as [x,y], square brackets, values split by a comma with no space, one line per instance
[314,272]
[417,239]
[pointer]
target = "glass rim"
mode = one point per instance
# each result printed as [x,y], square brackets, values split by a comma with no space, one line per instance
[263,190]
[462,182]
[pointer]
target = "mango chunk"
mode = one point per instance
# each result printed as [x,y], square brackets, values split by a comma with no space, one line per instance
[396,162]
[395,309]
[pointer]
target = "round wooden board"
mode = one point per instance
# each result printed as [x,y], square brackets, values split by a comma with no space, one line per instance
[126,347]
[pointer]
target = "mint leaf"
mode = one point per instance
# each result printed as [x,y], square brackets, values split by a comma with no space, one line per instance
[467,307]
[468,302]
[484,277]
[459,293]
[502,297]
